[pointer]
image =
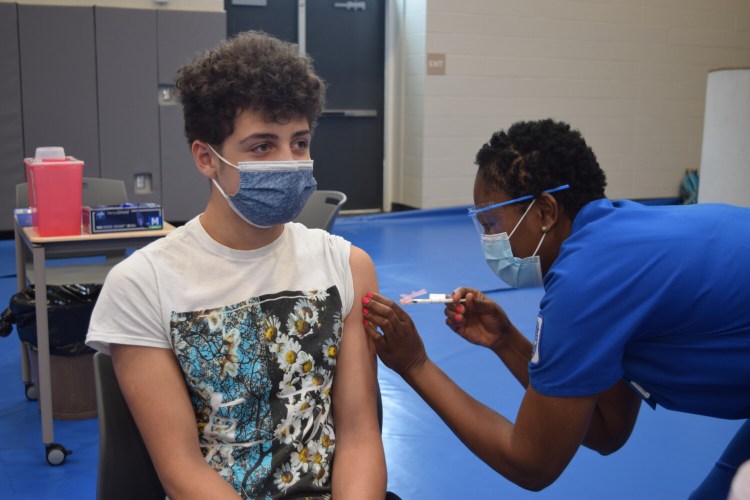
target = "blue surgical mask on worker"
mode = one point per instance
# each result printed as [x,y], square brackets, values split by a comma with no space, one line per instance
[515,271]
[270,192]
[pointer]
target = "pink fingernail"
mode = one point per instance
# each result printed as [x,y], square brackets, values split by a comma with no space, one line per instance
[365,311]
[457,317]
[460,309]
[365,300]
[366,321]
[369,295]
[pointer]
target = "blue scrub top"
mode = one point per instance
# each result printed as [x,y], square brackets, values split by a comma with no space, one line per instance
[658,296]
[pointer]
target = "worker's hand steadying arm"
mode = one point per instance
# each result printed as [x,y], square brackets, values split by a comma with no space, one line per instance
[402,349]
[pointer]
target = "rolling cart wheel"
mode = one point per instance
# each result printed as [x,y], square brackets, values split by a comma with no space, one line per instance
[56,454]
[32,393]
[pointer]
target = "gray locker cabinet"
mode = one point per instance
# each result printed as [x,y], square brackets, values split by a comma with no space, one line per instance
[11,122]
[58,78]
[181,36]
[126,55]
[184,191]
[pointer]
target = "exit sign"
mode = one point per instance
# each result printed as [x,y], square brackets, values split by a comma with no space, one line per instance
[435,64]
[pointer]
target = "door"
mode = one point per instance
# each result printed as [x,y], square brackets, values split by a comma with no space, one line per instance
[346,40]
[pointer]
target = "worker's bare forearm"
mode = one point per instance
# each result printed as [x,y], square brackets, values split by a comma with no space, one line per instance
[514,350]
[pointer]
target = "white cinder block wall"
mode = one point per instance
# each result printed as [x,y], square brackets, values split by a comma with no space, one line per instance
[409,179]
[630,74]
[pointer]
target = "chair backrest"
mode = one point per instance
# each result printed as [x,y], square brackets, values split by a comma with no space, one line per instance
[96,191]
[321,209]
[22,195]
[125,468]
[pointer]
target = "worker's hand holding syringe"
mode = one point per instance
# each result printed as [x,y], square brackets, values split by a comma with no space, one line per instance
[468,312]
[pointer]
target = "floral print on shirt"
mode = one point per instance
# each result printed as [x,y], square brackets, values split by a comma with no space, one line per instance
[259,374]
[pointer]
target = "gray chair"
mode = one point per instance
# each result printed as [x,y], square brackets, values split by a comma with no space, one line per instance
[322,209]
[125,468]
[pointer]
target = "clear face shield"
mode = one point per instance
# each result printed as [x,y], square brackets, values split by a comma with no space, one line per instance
[488,217]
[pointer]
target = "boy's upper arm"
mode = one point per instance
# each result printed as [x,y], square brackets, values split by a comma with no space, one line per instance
[152,385]
[355,383]
[359,469]
[357,363]
[365,280]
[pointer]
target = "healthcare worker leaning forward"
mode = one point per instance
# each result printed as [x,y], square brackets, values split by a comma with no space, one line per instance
[641,304]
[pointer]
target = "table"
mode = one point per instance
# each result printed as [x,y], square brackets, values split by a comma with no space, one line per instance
[41,249]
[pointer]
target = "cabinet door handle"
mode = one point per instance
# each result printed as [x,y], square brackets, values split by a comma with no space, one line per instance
[351,113]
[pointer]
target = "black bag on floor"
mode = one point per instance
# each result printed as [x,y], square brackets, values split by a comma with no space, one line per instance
[69,310]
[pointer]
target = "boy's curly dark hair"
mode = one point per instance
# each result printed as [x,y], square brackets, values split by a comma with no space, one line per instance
[250,71]
[533,156]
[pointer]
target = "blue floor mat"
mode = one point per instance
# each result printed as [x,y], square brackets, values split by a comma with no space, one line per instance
[668,454]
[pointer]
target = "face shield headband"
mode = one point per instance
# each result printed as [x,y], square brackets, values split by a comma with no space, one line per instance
[485,219]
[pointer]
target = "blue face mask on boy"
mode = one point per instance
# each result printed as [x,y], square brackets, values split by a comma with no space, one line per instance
[271,192]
